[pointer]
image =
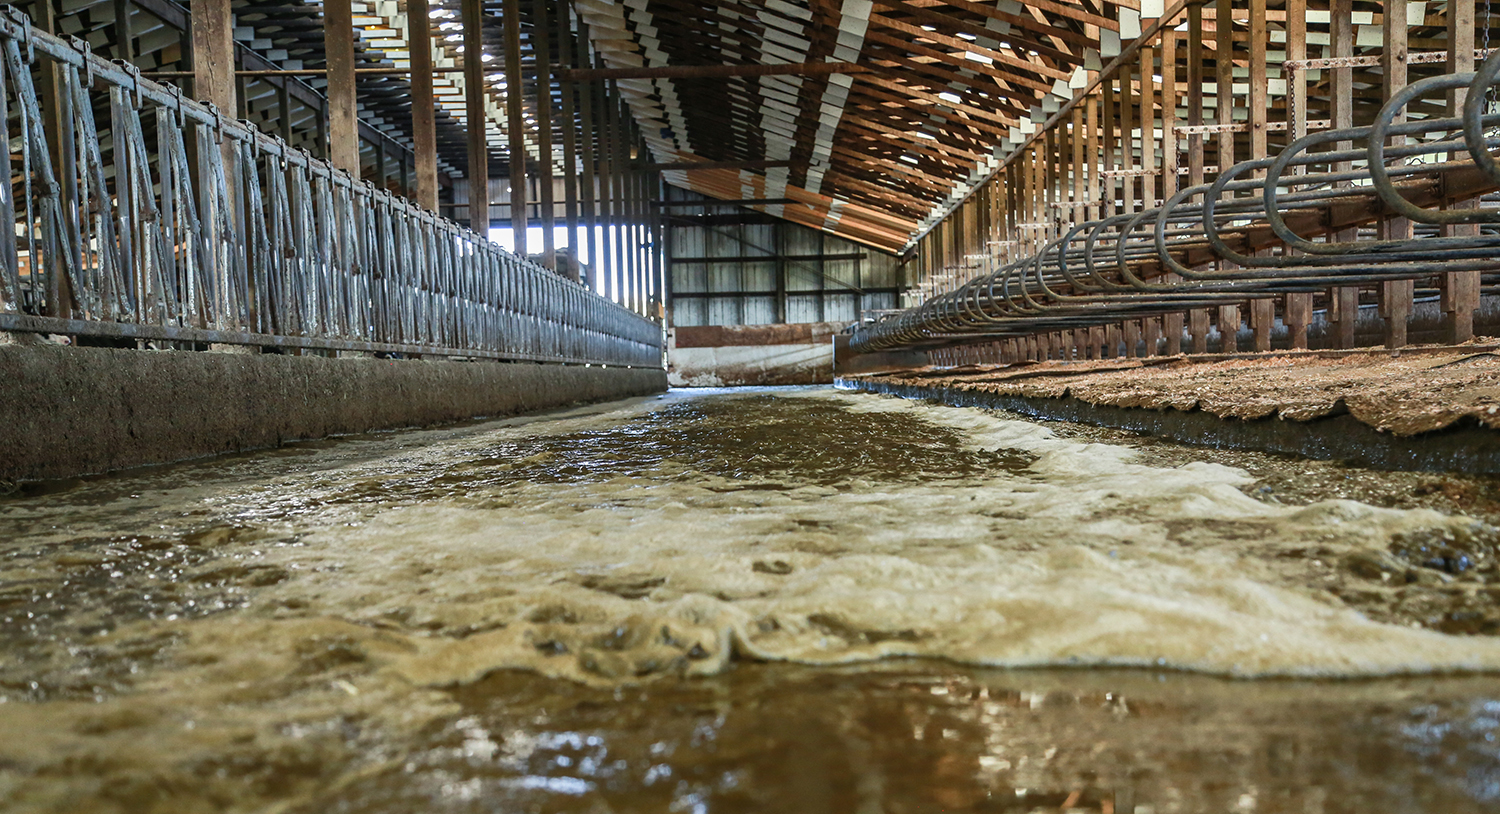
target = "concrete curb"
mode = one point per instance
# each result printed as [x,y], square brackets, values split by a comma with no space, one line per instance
[68,411]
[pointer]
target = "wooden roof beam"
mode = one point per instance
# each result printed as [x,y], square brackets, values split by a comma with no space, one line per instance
[708,71]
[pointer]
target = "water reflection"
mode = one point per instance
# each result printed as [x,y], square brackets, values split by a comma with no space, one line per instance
[922,738]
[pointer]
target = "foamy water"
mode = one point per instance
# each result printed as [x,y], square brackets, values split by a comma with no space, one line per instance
[268,603]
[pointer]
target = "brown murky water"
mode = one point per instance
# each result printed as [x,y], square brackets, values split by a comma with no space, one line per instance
[781,600]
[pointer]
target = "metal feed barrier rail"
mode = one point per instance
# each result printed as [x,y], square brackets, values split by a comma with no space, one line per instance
[1212,244]
[154,217]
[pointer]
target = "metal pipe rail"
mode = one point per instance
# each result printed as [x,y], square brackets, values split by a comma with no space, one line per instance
[1211,244]
[140,214]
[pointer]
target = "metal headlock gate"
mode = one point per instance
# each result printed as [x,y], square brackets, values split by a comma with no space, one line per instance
[1246,238]
[154,217]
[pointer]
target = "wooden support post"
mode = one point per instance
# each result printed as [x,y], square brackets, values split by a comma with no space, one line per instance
[643,260]
[472,13]
[58,123]
[1107,90]
[1459,290]
[1262,319]
[1198,329]
[379,175]
[1224,78]
[1229,329]
[1224,99]
[634,278]
[1297,313]
[284,112]
[1259,90]
[1151,333]
[321,142]
[571,179]
[1132,333]
[1096,342]
[212,22]
[124,30]
[1091,128]
[618,156]
[608,286]
[1112,341]
[343,113]
[541,35]
[1195,96]
[1395,306]
[1198,317]
[1172,327]
[1128,101]
[423,103]
[1169,141]
[515,122]
[1296,94]
[1344,314]
[588,179]
[1395,295]
[1343,302]
[1147,121]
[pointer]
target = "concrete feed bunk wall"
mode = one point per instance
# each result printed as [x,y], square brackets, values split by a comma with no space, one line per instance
[67,411]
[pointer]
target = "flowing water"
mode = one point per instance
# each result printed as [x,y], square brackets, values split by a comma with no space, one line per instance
[754,600]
